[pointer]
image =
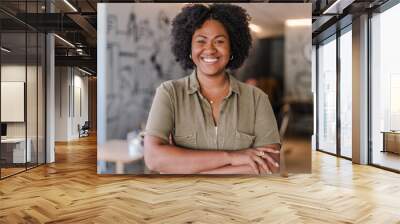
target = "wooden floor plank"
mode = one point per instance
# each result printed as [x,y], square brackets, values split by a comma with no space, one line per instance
[70,191]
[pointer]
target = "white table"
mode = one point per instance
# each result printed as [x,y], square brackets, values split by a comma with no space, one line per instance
[19,155]
[117,151]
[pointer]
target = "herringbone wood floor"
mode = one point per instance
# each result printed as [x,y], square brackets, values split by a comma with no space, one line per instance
[70,191]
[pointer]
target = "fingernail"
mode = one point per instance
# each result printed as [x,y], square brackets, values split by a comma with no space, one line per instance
[276,164]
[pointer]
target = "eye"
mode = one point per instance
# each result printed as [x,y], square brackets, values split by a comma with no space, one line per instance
[200,40]
[220,41]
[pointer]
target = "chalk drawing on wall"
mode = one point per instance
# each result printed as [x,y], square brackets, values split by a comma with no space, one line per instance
[140,59]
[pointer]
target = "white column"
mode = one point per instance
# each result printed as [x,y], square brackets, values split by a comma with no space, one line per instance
[314,93]
[50,99]
[360,90]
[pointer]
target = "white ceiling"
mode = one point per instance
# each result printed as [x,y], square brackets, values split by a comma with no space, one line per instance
[271,17]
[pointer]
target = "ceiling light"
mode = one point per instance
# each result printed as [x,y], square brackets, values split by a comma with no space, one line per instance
[84,71]
[298,22]
[5,50]
[70,5]
[65,41]
[255,28]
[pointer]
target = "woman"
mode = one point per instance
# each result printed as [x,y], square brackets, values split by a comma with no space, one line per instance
[209,122]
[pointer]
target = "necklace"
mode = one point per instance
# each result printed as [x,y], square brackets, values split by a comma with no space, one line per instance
[216,98]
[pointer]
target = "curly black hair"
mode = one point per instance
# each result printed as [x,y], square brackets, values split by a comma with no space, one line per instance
[234,18]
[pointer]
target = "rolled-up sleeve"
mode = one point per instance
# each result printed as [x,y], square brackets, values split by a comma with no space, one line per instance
[266,128]
[160,119]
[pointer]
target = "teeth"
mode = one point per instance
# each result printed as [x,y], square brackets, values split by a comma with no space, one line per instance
[210,60]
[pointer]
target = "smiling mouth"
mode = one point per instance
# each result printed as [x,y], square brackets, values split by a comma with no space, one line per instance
[209,60]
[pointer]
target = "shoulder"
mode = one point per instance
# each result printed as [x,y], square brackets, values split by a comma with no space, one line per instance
[175,89]
[175,85]
[252,96]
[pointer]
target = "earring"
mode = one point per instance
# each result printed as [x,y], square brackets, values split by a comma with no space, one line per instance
[190,56]
[231,58]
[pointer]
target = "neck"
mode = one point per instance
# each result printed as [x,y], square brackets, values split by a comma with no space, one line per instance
[212,81]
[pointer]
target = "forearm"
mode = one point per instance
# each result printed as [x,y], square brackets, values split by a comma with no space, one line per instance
[275,146]
[170,159]
[242,169]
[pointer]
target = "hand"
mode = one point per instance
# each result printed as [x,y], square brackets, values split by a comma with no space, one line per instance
[249,157]
[271,156]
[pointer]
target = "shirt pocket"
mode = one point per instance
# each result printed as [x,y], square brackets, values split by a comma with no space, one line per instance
[243,140]
[186,141]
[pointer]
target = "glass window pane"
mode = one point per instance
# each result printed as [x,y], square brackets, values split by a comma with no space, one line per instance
[32,86]
[346,94]
[327,97]
[13,86]
[31,100]
[385,85]
[23,88]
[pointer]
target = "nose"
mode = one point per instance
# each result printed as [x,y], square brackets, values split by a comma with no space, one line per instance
[210,48]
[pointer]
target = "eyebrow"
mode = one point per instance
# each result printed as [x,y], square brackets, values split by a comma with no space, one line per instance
[200,35]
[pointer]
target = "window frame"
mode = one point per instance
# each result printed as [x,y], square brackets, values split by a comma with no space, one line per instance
[333,37]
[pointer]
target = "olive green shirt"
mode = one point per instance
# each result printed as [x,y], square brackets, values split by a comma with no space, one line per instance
[179,109]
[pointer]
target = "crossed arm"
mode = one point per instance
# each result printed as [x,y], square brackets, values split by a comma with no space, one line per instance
[169,159]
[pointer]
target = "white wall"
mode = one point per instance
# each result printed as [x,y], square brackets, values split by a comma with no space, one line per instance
[33,126]
[61,103]
[79,117]
[12,73]
[70,83]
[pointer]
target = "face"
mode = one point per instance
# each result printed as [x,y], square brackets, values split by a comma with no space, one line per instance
[211,48]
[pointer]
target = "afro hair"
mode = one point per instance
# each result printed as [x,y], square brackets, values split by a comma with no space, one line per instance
[235,20]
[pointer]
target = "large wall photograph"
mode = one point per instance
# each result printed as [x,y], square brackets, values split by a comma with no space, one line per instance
[203,88]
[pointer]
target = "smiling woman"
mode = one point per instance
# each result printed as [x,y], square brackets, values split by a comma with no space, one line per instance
[209,122]
[210,48]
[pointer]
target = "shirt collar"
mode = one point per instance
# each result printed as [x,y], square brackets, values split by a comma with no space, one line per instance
[194,85]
